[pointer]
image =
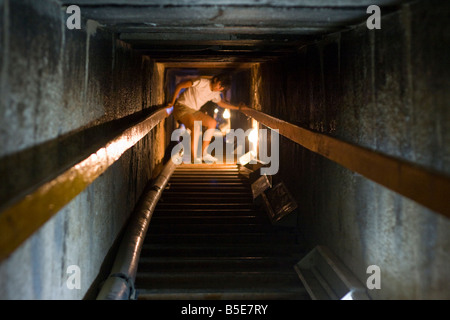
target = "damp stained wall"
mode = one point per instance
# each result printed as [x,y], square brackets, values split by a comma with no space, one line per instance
[386,90]
[62,91]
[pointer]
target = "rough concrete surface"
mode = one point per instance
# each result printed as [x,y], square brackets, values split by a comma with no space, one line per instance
[386,90]
[61,91]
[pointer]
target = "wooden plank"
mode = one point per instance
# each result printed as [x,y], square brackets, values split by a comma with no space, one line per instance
[27,215]
[426,187]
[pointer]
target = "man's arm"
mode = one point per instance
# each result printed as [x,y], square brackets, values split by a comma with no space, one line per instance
[226,105]
[178,88]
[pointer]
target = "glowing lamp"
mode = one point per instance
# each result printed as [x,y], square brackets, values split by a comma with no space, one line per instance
[226,114]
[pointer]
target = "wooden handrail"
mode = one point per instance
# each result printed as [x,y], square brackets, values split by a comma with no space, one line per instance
[27,215]
[424,186]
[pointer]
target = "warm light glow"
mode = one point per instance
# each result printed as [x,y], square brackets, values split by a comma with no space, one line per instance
[115,149]
[226,114]
[253,136]
[216,110]
[255,124]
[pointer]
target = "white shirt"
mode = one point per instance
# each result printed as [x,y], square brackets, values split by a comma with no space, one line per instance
[198,94]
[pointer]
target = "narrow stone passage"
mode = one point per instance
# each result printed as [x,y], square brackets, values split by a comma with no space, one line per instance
[208,240]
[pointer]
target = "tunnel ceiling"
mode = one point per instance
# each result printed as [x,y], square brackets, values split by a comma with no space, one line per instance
[178,32]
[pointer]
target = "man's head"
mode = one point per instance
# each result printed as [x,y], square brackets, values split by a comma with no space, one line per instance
[220,82]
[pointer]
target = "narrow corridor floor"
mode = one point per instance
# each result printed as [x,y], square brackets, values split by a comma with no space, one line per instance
[208,240]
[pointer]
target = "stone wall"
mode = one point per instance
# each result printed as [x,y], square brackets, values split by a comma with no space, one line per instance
[386,90]
[62,91]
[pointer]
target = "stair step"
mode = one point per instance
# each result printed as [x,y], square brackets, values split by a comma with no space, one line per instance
[211,206]
[221,294]
[229,194]
[183,219]
[196,199]
[196,178]
[202,217]
[207,174]
[206,189]
[224,238]
[206,211]
[218,264]
[204,167]
[218,280]
[210,228]
[208,184]
[226,250]
[230,186]
[194,171]
[174,193]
